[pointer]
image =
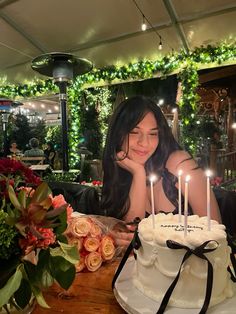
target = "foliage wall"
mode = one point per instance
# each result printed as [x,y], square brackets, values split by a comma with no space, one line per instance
[186,64]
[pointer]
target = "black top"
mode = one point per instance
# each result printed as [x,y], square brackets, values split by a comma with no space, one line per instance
[168,183]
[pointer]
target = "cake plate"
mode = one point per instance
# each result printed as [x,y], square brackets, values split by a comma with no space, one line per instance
[135,302]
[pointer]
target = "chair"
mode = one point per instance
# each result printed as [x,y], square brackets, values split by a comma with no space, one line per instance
[84,199]
[33,160]
[227,205]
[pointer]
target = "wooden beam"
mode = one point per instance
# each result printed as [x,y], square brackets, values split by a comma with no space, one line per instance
[217,74]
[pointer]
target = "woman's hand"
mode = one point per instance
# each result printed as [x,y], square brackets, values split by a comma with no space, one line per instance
[123,238]
[128,164]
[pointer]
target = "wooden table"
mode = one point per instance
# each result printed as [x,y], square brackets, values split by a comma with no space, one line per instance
[90,293]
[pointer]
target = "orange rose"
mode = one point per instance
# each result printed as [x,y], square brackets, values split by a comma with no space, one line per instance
[76,241]
[91,244]
[80,227]
[81,264]
[95,231]
[93,261]
[107,248]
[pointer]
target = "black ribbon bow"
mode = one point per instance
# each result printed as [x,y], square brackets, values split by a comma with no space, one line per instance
[199,252]
[134,244]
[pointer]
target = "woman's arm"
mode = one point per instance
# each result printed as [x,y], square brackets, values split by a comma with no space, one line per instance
[138,191]
[181,160]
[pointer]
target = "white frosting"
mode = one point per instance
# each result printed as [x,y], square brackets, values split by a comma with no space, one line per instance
[157,265]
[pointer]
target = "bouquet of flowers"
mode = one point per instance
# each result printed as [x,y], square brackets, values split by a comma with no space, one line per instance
[92,234]
[33,249]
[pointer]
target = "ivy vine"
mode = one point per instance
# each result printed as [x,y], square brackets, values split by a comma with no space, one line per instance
[185,64]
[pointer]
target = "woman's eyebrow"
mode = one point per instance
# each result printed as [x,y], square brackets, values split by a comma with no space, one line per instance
[152,129]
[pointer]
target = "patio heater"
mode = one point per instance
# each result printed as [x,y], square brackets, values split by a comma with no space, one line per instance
[62,67]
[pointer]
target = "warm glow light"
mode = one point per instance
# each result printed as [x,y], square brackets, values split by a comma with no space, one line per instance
[152,178]
[208,173]
[144,27]
[180,172]
[187,178]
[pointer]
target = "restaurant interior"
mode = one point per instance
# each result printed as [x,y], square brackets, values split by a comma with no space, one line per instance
[65,66]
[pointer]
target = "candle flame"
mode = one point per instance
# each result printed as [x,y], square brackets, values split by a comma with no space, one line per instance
[152,178]
[180,172]
[208,173]
[187,178]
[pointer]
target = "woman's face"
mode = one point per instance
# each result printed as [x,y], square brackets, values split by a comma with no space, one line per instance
[143,140]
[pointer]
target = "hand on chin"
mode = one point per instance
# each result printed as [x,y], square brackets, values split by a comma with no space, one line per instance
[131,164]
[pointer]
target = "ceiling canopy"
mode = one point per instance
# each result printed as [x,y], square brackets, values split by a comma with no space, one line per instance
[107,32]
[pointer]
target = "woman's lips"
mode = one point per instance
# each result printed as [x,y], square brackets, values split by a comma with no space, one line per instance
[140,153]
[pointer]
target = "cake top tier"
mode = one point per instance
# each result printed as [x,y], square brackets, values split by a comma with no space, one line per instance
[168,227]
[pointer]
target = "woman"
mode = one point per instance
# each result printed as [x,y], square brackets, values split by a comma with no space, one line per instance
[139,144]
[13,149]
[50,154]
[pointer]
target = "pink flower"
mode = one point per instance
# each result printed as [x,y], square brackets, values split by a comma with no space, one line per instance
[58,201]
[216,181]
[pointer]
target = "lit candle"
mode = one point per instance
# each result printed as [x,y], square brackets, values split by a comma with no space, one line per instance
[208,174]
[152,179]
[180,194]
[187,178]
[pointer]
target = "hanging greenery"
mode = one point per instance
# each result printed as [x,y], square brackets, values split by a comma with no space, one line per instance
[188,106]
[185,64]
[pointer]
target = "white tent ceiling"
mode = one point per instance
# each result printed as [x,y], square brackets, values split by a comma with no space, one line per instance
[106,31]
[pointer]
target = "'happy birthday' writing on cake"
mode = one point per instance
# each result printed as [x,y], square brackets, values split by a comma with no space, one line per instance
[179,227]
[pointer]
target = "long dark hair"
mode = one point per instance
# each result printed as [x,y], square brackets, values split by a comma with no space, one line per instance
[117,181]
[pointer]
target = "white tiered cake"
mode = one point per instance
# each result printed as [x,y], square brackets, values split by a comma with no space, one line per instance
[157,265]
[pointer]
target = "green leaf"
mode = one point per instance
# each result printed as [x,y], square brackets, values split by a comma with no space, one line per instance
[13,198]
[67,251]
[22,198]
[41,193]
[56,211]
[46,279]
[63,271]
[7,269]
[11,287]
[23,294]
[39,297]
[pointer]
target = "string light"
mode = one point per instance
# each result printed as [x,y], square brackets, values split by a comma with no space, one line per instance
[144,25]
[160,44]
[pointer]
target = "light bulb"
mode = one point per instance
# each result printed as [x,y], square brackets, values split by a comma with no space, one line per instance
[144,25]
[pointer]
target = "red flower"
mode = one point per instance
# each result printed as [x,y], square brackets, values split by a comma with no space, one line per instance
[32,242]
[216,181]
[15,172]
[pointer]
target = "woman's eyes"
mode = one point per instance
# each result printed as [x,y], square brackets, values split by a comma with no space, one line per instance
[153,134]
[137,132]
